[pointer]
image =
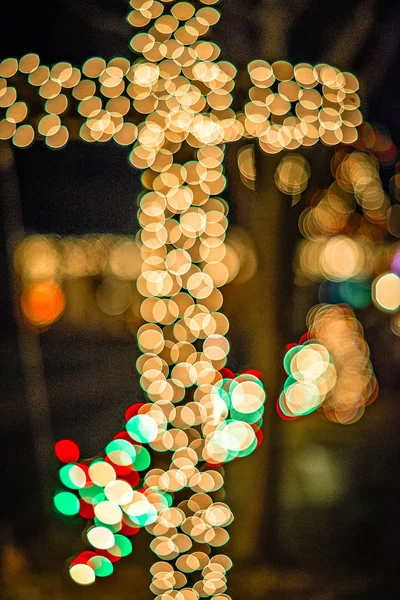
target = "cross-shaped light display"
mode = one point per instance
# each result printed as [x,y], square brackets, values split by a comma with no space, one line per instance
[172,107]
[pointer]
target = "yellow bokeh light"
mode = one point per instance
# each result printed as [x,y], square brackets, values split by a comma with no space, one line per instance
[386,292]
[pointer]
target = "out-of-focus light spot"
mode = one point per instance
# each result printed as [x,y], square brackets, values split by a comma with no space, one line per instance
[395,262]
[356,294]
[108,512]
[67,451]
[395,323]
[82,574]
[311,377]
[66,503]
[101,538]
[101,565]
[292,174]
[386,292]
[341,259]
[73,476]
[101,473]
[58,139]
[246,164]
[348,385]
[37,258]
[394,185]
[393,220]
[29,63]
[114,296]
[42,303]
[142,428]
[23,136]
[17,112]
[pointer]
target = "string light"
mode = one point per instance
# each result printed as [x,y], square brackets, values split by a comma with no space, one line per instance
[329,369]
[122,494]
[181,93]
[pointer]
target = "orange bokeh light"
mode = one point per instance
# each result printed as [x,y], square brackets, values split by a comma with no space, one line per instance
[42,303]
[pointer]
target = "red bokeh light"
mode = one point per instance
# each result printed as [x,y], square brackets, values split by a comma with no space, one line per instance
[67,451]
[133,410]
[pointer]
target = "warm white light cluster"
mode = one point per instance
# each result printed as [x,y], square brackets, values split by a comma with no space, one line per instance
[183,91]
[356,386]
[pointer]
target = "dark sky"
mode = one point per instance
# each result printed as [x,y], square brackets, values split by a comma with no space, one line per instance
[82,187]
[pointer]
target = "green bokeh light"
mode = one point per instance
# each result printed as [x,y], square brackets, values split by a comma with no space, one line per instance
[73,476]
[142,460]
[142,428]
[66,503]
[123,546]
[101,565]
